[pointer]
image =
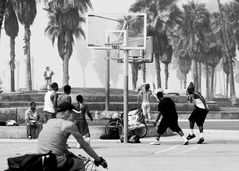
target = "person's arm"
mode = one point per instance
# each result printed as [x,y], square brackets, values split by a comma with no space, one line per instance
[138,98]
[157,118]
[54,98]
[26,116]
[70,127]
[155,96]
[88,113]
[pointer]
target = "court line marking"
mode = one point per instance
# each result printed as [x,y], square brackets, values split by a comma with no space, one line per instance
[167,149]
[192,148]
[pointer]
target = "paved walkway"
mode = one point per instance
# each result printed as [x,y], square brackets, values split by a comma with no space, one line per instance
[220,152]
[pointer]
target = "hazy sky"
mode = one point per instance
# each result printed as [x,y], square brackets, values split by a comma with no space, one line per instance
[44,54]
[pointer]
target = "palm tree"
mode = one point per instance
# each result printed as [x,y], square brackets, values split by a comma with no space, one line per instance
[229,43]
[166,59]
[162,17]
[195,24]
[135,67]
[65,18]
[26,11]
[11,29]
[2,11]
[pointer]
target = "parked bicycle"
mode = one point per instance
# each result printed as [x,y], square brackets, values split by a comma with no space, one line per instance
[135,122]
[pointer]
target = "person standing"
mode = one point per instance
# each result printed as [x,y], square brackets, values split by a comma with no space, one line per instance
[146,93]
[198,114]
[32,118]
[48,73]
[50,102]
[167,109]
[65,97]
[82,110]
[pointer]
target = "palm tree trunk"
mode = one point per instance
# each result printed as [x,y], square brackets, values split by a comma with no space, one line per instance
[185,81]
[195,74]
[134,71]
[212,82]
[232,83]
[28,58]
[66,69]
[166,75]
[208,83]
[158,70]
[143,65]
[12,63]
[199,76]
[227,84]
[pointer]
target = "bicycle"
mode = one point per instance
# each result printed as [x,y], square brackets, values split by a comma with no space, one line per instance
[136,123]
[89,164]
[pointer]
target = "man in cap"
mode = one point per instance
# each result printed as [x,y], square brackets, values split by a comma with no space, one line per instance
[167,109]
[54,135]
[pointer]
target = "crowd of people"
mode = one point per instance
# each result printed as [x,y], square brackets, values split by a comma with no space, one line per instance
[63,118]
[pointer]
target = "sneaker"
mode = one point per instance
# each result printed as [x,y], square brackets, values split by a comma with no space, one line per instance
[156,142]
[185,143]
[200,141]
[189,137]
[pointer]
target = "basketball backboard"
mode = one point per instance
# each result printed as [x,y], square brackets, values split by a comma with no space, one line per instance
[107,29]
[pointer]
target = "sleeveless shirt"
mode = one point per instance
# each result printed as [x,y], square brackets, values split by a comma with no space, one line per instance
[48,104]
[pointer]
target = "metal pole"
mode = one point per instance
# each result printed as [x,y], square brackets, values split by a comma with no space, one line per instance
[126,67]
[107,86]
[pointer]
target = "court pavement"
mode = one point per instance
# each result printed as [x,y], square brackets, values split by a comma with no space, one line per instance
[220,152]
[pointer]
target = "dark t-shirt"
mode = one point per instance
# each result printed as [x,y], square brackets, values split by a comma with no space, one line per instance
[167,108]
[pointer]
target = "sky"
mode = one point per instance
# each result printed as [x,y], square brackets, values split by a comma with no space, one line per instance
[44,54]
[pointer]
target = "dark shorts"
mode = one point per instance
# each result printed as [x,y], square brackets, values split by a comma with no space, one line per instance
[198,115]
[171,123]
[48,115]
[83,127]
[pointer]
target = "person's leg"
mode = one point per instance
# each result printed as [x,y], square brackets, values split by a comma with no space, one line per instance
[200,122]
[175,128]
[78,165]
[28,131]
[148,111]
[45,116]
[191,120]
[144,110]
[162,127]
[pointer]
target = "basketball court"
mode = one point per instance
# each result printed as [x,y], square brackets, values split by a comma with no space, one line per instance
[220,152]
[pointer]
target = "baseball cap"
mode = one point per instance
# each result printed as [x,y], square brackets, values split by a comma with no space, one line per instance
[64,107]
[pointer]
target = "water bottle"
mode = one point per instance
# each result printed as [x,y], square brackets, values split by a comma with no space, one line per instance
[96,114]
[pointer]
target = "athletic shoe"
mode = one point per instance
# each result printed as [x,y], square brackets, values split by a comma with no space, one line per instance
[156,142]
[185,143]
[200,141]
[189,137]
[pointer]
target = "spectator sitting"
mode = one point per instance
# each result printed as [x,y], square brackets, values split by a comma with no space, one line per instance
[32,118]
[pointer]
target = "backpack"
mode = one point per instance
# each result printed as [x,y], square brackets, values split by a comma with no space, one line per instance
[33,162]
[114,133]
[132,137]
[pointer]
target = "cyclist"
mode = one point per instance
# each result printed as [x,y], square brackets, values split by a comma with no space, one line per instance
[54,135]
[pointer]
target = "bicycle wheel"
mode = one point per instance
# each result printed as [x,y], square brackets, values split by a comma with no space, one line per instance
[114,124]
[141,130]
